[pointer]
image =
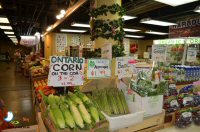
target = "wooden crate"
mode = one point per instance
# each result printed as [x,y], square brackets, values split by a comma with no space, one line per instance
[41,125]
[149,124]
[169,120]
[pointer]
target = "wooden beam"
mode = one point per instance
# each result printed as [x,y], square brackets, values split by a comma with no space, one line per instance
[69,11]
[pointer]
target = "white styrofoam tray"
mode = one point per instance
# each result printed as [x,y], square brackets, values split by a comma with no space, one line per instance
[122,121]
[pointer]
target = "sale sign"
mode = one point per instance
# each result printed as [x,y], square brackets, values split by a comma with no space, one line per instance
[191,54]
[98,68]
[66,71]
[124,67]
[159,53]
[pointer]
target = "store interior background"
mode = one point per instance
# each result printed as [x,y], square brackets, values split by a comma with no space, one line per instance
[27,18]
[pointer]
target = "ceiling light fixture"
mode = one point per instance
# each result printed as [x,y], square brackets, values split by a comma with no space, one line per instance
[6,27]
[80,25]
[133,36]
[197,9]
[126,17]
[0,6]
[49,28]
[62,12]
[175,2]
[8,32]
[4,20]
[131,30]
[72,31]
[156,22]
[157,33]
[10,36]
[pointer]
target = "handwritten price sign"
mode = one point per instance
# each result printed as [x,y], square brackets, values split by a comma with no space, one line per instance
[159,53]
[98,68]
[66,71]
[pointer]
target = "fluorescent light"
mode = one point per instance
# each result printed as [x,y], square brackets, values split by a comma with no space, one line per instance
[72,31]
[197,9]
[80,25]
[175,2]
[134,36]
[49,28]
[154,32]
[4,20]
[128,17]
[28,37]
[6,32]
[63,12]
[6,27]
[156,22]
[131,30]
[11,36]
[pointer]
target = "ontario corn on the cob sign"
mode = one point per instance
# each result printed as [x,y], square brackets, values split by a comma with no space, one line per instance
[98,68]
[66,71]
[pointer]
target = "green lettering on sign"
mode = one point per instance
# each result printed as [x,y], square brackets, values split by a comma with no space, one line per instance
[193,41]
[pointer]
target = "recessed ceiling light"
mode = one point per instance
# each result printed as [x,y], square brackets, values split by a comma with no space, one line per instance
[175,2]
[62,12]
[131,30]
[6,32]
[133,36]
[80,25]
[157,33]
[6,27]
[4,20]
[72,31]
[128,17]
[156,22]
[197,9]
[0,6]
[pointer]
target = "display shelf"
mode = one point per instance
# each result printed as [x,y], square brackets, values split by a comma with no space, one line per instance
[169,120]
[149,124]
[180,86]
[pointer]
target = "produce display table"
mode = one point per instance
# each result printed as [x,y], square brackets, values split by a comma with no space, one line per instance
[149,124]
[33,128]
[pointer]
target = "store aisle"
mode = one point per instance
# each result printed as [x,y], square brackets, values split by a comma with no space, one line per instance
[16,92]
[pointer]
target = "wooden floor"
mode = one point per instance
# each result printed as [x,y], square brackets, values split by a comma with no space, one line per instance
[16,92]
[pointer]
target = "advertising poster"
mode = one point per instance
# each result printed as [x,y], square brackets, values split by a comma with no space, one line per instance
[66,71]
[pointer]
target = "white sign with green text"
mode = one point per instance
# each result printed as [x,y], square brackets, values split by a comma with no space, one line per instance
[98,68]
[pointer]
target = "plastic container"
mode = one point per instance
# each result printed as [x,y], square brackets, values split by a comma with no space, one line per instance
[122,121]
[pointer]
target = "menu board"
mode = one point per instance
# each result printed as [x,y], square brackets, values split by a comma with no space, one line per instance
[98,68]
[159,53]
[124,67]
[61,42]
[66,71]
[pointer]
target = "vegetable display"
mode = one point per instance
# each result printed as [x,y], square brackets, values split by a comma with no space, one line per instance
[110,101]
[74,111]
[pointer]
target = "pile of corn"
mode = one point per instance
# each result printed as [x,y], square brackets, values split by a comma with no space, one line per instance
[74,111]
[111,101]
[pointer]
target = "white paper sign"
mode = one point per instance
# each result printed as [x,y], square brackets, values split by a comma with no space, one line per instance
[61,42]
[146,55]
[124,67]
[191,54]
[126,43]
[106,51]
[66,71]
[98,68]
[159,53]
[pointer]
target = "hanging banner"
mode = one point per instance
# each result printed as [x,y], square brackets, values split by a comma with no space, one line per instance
[61,42]
[106,51]
[191,54]
[188,27]
[98,68]
[124,67]
[159,53]
[66,71]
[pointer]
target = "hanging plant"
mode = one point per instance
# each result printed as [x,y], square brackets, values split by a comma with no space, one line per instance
[117,51]
[107,28]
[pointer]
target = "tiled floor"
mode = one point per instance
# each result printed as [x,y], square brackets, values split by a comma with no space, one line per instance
[16,92]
